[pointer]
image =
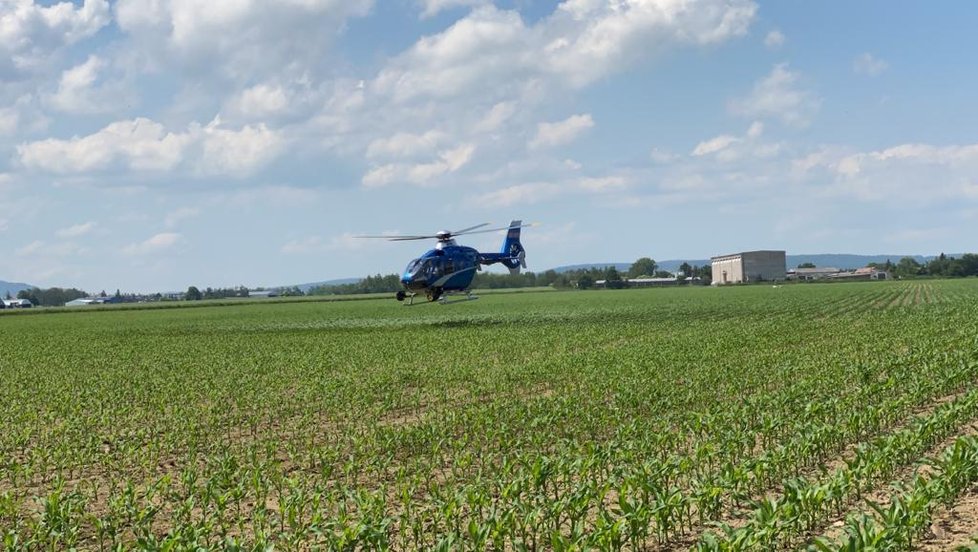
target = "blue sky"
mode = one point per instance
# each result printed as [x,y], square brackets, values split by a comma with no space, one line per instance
[154,144]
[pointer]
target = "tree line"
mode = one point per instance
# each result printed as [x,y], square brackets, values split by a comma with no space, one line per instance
[942,266]
[582,278]
[51,297]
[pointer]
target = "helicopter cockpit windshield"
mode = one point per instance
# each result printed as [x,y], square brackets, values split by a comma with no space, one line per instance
[419,268]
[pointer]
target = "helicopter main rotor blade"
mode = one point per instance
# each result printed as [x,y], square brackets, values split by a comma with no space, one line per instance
[499,229]
[411,238]
[394,237]
[469,229]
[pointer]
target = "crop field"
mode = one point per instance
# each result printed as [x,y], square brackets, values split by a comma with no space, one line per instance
[833,416]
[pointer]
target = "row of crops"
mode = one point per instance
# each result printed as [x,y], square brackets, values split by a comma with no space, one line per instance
[750,418]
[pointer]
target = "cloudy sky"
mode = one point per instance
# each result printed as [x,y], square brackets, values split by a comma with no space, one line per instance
[154,144]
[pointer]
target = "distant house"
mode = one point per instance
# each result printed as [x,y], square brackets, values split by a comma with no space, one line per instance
[17,303]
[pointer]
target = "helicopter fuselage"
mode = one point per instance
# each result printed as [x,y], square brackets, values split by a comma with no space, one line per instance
[447,267]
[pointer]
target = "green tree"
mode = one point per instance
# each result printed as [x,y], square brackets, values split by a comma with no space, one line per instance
[806,265]
[30,295]
[686,269]
[193,294]
[585,281]
[642,267]
[907,267]
[613,278]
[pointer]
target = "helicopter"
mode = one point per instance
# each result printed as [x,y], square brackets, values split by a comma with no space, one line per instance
[449,268]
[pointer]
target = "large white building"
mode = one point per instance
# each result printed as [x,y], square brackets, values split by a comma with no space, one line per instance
[749,266]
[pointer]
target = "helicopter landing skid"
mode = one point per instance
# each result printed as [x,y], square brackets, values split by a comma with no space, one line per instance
[444,300]
[410,300]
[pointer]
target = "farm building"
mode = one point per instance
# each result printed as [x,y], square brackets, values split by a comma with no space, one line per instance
[89,301]
[263,294]
[865,273]
[17,303]
[749,266]
[812,273]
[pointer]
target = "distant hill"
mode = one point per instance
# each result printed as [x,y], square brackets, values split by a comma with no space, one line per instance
[836,260]
[12,288]
[338,282]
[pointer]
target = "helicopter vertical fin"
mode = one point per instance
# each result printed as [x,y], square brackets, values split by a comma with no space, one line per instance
[512,250]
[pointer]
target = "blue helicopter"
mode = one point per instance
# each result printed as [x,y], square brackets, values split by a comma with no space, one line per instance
[449,268]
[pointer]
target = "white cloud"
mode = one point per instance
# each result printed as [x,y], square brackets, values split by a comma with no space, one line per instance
[774,39]
[920,173]
[662,156]
[714,145]
[30,249]
[867,64]
[79,90]
[494,52]
[778,95]
[918,154]
[404,144]
[174,217]
[449,161]
[140,144]
[433,7]
[234,39]
[154,244]
[726,148]
[496,117]
[266,195]
[236,153]
[145,145]
[519,194]
[561,132]
[588,39]
[9,118]
[536,192]
[30,32]
[603,184]
[261,100]
[4,224]
[487,46]
[77,230]
[317,244]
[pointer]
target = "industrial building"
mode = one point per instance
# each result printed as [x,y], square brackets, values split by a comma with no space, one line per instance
[749,266]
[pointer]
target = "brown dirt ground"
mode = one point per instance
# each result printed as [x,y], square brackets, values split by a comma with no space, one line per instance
[883,494]
[953,527]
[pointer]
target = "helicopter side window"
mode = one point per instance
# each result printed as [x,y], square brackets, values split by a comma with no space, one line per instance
[449,266]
